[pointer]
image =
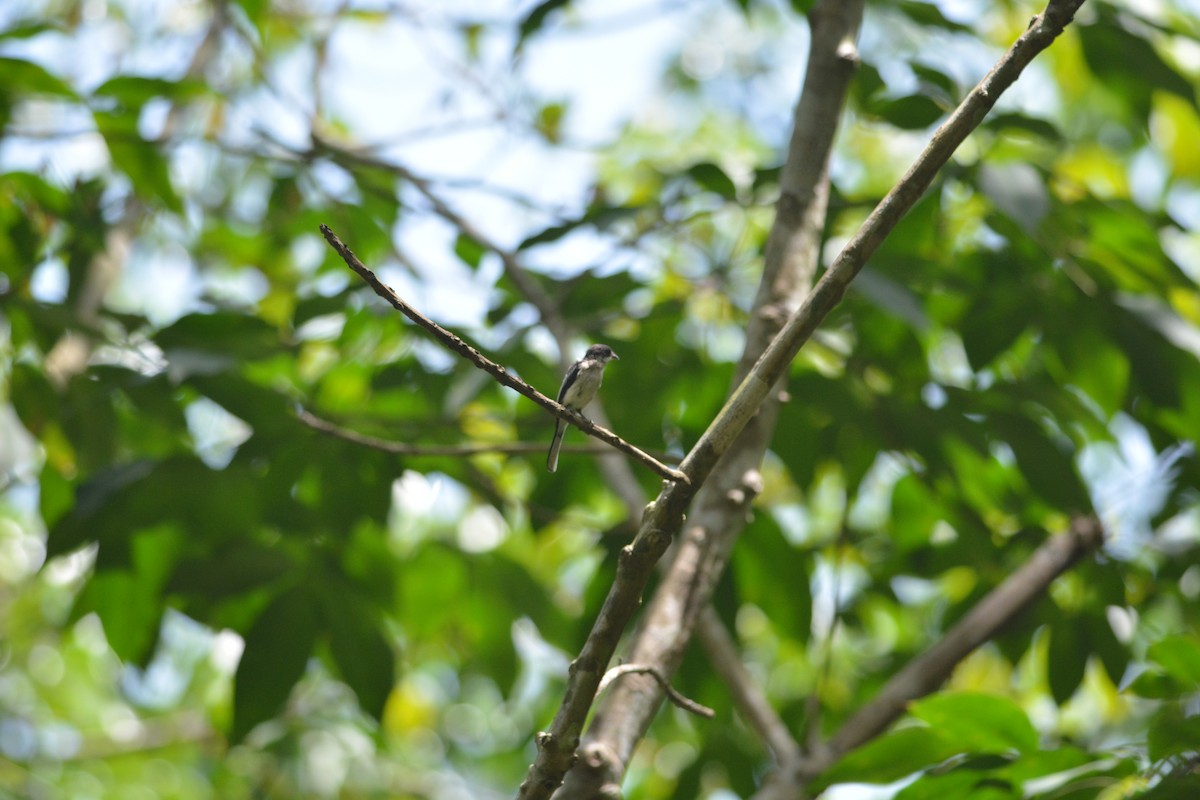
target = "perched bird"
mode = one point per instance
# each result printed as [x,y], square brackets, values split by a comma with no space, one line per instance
[578,389]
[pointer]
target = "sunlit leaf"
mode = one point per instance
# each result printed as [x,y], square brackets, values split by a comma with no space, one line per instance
[977,723]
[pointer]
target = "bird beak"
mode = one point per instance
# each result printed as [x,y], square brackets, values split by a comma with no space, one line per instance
[616,357]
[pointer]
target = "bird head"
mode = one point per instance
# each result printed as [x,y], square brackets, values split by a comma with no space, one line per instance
[602,353]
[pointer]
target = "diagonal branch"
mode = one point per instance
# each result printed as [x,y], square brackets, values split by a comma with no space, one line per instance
[751,703]
[929,670]
[664,516]
[457,345]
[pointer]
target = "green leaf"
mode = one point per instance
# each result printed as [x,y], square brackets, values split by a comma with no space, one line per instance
[1179,656]
[26,77]
[140,160]
[915,112]
[1105,645]
[470,251]
[134,91]
[363,656]
[977,723]
[549,121]
[1013,121]
[1128,64]
[889,758]
[229,570]
[27,30]
[930,15]
[600,217]
[1185,787]
[278,646]
[536,18]
[963,782]
[713,179]
[993,323]
[1067,658]
[1096,366]
[1044,462]
[129,608]
[230,337]
[119,502]
[1155,686]
[1172,733]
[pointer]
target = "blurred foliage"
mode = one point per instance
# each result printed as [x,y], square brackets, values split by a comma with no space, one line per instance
[202,597]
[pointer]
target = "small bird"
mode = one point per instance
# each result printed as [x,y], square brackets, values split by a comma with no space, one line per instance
[578,389]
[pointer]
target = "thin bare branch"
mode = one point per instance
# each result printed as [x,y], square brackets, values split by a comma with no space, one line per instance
[687,704]
[405,449]
[457,345]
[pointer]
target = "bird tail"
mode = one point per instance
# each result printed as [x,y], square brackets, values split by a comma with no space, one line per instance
[552,456]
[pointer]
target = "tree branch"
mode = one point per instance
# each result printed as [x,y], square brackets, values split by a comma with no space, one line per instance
[751,704]
[405,449]
[928,671]
[457,345]
[664,516]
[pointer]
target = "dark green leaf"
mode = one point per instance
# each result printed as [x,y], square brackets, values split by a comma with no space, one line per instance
[362,654]
[1067,658]
[278,646]
[1128,64]
[1173,733]
[712,178]
[958,783]
[915,112]
[930,15]
[1174,787]
[601,218]
[889,758]
[216,339]
[26,77]
[536,18]
[129,608]
[1013,121]
[1045,463]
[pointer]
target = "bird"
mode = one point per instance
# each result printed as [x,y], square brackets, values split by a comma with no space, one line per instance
[577,390]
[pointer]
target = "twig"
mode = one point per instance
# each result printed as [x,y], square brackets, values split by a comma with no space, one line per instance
[687,704]
[405,449]
[664,516]
[457,345]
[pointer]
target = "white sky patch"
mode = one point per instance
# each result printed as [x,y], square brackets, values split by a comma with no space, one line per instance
[1129,482]
[482,529]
